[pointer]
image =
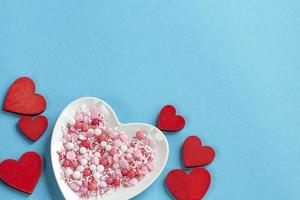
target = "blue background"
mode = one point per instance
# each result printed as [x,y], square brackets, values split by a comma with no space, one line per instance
[231,67]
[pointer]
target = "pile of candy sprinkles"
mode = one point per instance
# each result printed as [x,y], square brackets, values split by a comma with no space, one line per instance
[97,159]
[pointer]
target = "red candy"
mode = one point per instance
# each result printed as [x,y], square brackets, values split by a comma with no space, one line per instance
[92,186]
[140,135]
[85,143]
[95,122]
[116,182]
[85,127]
[104,162]
[66,163]
[102,137]
[86,172]
[78,125]
[113,151]
[131,174]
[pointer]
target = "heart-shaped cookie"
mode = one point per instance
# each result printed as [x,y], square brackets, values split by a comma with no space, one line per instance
[33,128]
[21,98]
[23,174]
[168,120]
[192,186]
[130,129]
[196,155]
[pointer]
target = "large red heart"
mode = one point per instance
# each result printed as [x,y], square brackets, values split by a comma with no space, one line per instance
[168,120]
[33,127]
[21,98]
[191,186]
[23,174]
[195,155]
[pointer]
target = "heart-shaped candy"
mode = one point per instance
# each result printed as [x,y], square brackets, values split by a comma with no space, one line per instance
[130,129]
[23,174]
[192,186]
[21,98]
[168,120]
[195,155]
[33,128]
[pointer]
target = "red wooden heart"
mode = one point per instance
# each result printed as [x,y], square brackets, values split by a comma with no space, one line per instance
[168,120]
[191,186]
[23,174]
[21,98]
[33,127]
[195,155]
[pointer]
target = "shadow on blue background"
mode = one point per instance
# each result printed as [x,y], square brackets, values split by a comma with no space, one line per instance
[230,67]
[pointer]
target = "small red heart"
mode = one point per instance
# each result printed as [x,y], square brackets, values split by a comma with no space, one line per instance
[21,98]
[195,155]
[23,174]
[192,186]
[33,127]
[168,120]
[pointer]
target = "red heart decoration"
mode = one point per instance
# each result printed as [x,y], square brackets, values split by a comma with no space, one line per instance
[195,155]
[33,127]
[168,120]
[23,174]
[191,186]
[21,98]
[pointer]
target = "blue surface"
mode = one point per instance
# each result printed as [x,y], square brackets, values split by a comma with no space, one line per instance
[230,67]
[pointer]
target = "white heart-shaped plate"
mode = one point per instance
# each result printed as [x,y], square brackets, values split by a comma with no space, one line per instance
[113,122]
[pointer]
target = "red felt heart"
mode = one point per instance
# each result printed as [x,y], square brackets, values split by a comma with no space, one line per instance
[191,186]
[21,98]
[23,174]
[195,155]
[168,120]
[33,127]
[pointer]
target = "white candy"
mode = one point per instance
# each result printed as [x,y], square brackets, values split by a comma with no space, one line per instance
[129,155]
[90,131]
[82,137]
[72,122]
[69,146]
[123,148]
[80,168]
[97,154]
[102,184]
[76,175]
[100,168]
[98,131]
[82,150]
[116,165]
[95,161]
[92,167]
[83,162]
[68,171]
[96,175]
[103,144]
[107,147]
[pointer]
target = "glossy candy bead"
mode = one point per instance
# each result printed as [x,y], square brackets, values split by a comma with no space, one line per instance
[85,127]
[116,182]
[92,186]
[85,143]
[140,135]
[86,172]
[78,125]
[131,174]
[103,161]
[66,163]
[95,122]
[102,137]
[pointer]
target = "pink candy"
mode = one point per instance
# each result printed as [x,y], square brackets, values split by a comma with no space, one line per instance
[96,162]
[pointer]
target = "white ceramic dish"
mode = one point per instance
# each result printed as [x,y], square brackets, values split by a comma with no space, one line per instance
[130,129]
